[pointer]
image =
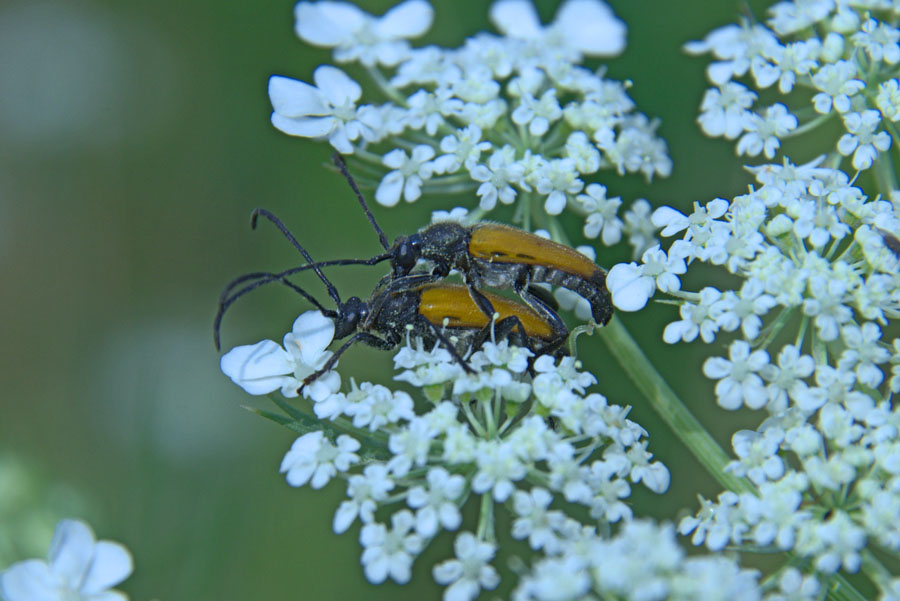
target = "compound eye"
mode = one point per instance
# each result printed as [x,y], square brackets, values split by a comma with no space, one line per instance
[407,255]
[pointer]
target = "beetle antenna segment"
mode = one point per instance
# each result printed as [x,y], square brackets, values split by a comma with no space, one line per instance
[338,160]
[267,277]
[332,291]
[272,277]
[227,300]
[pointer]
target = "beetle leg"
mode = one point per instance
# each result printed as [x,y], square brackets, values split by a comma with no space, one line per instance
[411,282]
[560,330]
[364,337]
[503,329]
[423,321]
[545,295]
[482,301]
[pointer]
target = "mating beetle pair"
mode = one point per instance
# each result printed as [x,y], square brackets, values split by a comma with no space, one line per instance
[485,255]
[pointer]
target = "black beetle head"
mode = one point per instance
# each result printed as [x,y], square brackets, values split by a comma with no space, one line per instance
[405,254]
[352,313]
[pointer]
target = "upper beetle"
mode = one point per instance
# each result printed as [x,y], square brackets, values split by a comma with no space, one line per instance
[493,255]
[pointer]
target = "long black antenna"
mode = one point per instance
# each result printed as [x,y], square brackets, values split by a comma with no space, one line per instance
[332,291]
[226,300]
[338,160]
[269,276]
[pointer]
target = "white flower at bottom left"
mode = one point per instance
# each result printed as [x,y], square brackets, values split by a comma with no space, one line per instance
[264,367]
[78,567]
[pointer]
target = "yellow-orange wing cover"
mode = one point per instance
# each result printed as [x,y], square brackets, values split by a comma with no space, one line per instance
[504,244]
[453,302]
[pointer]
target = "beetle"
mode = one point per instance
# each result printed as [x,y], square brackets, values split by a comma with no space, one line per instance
[444,313]
[437,312]
[492,255]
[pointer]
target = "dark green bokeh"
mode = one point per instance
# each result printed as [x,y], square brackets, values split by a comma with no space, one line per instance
[135,142]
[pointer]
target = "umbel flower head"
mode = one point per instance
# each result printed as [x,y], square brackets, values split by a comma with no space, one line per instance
[513,437]
[807,325]
[513,118]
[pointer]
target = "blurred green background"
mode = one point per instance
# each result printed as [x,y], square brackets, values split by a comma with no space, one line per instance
[134,142]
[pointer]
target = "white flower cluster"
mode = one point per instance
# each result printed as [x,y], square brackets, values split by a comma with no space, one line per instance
[514,117]
[820,286]
[809,325]
[837,60]
[643,562]
[511,434]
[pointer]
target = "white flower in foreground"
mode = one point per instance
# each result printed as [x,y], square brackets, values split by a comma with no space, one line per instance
[357,35]
[602,216]
[390,552]
[264,367]
[629,287]
[632,285]
[407,177]
[724,110]
[739,380]
[764,132]
[862,139]
[470,571]
[326,110]
[314,459]
[78,567]
[499,176]
[436,506]
[588,26]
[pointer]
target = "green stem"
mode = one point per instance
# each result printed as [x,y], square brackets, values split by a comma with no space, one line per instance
[812,124]
[486,518]
[884,173]
[667,404]
[385,86]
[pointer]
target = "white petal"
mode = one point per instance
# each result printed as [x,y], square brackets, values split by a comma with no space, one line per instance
[327,24]
[306,127]
[516,18]
[313,332]
[299,475]
[323,388]
[407,20]
[340,142]
[671,220]
[336,85]
[70,551]
[555,203]
[412,189]
[111,565]
[591,26]
[629,289]
[258,368]
[294,98]
[343,517]
[28,581]
[720,72]
[388,191]
[716,368]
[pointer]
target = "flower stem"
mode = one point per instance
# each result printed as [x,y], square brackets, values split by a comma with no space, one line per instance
[486,518]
